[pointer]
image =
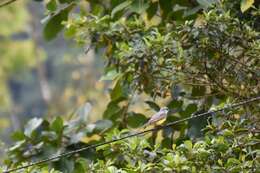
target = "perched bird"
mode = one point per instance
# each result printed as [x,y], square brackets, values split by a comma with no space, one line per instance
[158,117]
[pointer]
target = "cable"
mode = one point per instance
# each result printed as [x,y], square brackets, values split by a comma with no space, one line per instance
[7,3]
[132,135]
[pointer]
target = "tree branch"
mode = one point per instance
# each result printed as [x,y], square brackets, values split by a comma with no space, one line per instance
[7,3]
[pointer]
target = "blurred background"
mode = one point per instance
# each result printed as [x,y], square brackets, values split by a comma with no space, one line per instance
[40,78]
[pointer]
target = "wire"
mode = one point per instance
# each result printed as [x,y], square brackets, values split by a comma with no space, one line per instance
[135,134]
[7,3]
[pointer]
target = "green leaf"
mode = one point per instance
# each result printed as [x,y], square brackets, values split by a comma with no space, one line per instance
[66,165]
[206,3]
[188,145]
[221,145]
[57,125]
[228,133]
[51,5]
[167,143]
[232,162]
[102,125]
[198,91]
[246,4]
[97,9]
[54,24]
[18,136]
[166,7]
[112,169]
[175,104]
[49,136]
[84,164]
[79,168]
[138,6]
[192,12]
[135,120]
[120,7]
[70,31]
[153,105]
[177,15]
[191,108]
[17,145]
[76,137]
[110,75]
[151,11]
[32,125]
[119,91]
[112,110]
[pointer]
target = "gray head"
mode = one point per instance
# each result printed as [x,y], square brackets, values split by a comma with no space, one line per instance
[164,109]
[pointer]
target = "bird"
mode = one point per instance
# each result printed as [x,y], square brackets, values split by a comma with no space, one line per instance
[157,117]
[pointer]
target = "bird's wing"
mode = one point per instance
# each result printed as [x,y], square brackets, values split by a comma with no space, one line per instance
[156,117]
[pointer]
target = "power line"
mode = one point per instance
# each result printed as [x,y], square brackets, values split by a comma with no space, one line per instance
[135,134]
[7,3]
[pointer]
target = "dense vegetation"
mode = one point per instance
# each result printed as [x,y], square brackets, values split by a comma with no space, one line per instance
[192,56]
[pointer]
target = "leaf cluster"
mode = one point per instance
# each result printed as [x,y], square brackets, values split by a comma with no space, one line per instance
[229,146]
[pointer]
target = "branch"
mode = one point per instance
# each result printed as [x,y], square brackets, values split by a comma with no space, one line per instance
[7,3]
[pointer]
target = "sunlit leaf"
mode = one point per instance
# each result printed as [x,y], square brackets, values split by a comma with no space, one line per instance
[57,125]
[102,125]
[206,3]
[246,4]
[18,135]
[49,136]
[110,75]
[17,145]
[32,125]
[75,138]
[188,145]
[138,6]
[87,139]
[120,7]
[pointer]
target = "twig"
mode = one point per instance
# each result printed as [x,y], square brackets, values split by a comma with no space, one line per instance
[7,3]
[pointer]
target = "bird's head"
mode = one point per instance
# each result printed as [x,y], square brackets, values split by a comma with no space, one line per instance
[164,109]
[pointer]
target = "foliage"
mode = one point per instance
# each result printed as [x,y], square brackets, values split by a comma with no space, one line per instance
[228,151]
[228,146]
[42,138]
[154,59]
[198,58]
[196,55]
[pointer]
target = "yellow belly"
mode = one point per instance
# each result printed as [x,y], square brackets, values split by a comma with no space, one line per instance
[160,122]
